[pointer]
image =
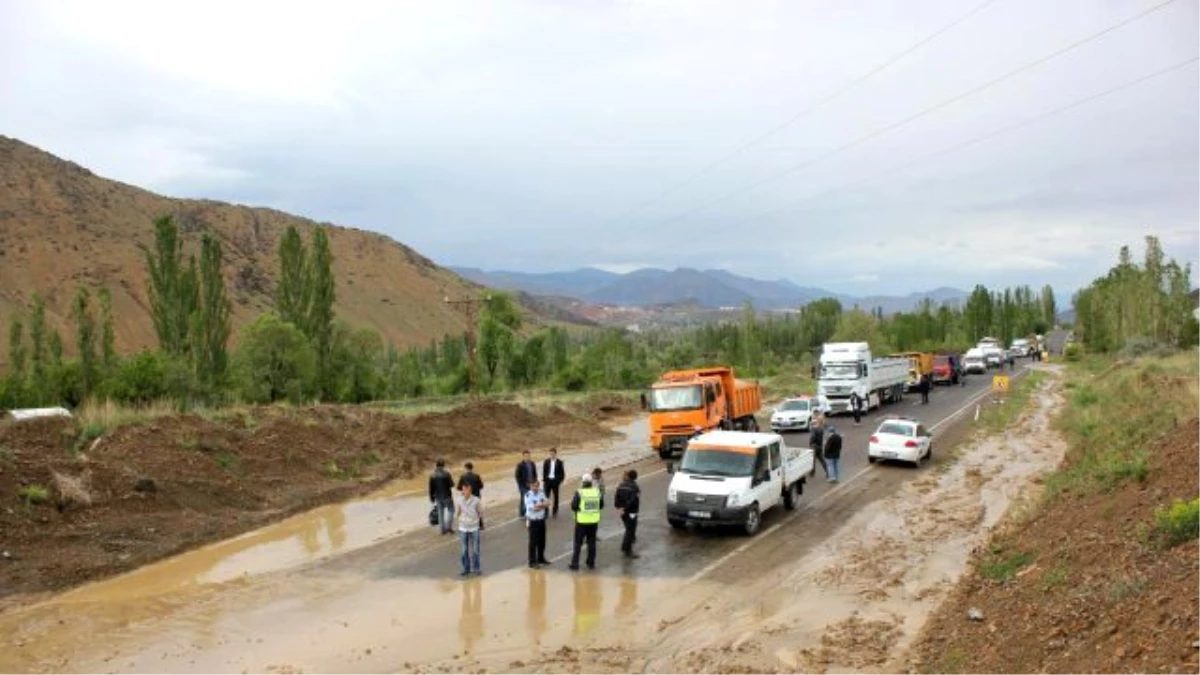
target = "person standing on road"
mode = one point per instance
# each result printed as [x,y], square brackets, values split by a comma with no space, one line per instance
[470,527]
[833,452]
[856,406]
[629,500]
[535,516]
[441,495]
[587,503]
[525,474]
[816,441]
[925,384]
[469,477]
[598,480]
[553,473]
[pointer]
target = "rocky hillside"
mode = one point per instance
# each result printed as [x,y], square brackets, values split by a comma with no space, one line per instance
[63,226]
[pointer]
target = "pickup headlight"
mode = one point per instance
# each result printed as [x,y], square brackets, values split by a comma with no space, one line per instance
[672,495]
[731,500]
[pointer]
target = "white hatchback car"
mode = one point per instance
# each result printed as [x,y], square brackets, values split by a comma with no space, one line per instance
[902,439]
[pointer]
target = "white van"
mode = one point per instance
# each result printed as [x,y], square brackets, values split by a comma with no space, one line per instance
[732,477]
[974,361]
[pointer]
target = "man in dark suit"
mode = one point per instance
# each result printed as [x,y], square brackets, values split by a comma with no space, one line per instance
[525,474]
[553,472]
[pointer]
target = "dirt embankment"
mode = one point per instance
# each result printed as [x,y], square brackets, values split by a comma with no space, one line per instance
[1083,586]
[146,491]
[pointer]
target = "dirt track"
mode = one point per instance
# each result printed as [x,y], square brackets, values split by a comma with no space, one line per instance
[216,478]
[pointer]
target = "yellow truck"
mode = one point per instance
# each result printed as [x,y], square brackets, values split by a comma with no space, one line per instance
[920,364]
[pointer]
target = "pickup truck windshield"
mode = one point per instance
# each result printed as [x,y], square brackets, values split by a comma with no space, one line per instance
[839,371]
[676,398]
[717,463]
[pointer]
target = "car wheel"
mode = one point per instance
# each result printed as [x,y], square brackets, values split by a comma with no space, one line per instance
[929,452]
[870,459]
[789,497]
[753,520]
[676,524]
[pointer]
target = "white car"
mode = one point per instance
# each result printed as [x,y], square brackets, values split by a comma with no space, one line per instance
[794,414]
[901,438]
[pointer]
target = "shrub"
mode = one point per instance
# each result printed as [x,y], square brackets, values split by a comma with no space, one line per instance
[274,362]
[34,494]
[1004,568]
[1178,523]
[1073,352]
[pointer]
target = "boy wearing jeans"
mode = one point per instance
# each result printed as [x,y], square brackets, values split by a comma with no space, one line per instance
[470,525]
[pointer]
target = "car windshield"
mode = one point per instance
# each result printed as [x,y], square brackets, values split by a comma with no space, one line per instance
[896,429]
[839,371]
[717,463]
[676,398]
[794,405]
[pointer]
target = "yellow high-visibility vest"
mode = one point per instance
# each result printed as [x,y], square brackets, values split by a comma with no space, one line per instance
[589,506]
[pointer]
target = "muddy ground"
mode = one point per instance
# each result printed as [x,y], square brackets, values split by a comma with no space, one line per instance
[1089,590]
[147,491]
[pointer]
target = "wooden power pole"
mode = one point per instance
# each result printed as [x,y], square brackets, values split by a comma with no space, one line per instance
[470,309]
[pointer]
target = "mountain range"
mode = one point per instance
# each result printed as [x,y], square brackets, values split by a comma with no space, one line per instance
[706,288]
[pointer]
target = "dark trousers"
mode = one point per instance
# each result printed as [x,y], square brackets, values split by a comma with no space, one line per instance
[630,522]
[521,502]
[857,414]
[552,495]
[820,457]
[537,541]
[924,394]
[585,533]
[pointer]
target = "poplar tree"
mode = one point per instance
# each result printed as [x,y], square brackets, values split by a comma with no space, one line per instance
[85,340]
[210,325]
[320,293]
[291,295]
[108,333]
[172,288]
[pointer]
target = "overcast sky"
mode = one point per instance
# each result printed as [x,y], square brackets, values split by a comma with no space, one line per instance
[547,136]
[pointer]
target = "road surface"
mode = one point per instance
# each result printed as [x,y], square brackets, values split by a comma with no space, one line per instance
[399,604]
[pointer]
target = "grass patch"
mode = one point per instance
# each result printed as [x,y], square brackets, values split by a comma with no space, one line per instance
[794,380]
[1001,567]
[1117,411]
[1127,588]
[188,442]
[228,462]
[35,494]
[108,415]
[1178,523]
[1060,575]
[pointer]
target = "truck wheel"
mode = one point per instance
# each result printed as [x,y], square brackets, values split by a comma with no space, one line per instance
[664,454]
[676,524]
[789,497]
[753,520]
[752,425]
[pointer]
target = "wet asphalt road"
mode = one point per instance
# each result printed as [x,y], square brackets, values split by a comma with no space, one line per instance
[663,551]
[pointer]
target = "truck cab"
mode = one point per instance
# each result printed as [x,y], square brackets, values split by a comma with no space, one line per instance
[732,478]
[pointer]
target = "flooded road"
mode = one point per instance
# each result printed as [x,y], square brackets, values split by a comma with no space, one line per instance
[366,586]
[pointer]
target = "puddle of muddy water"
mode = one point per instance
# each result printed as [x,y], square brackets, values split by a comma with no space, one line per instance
[344,626]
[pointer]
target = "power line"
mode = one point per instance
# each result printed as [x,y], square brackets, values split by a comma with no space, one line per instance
[981,139]
[737,152]
[912,118]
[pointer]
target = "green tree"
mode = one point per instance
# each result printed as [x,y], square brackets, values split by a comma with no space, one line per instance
[498,322]
[210,322]
[291,295]
[39,356]
[172,287]
[274,361]
[859,326]
[320,294]
[357,354]
[12,391]
[85,341]
[108,333]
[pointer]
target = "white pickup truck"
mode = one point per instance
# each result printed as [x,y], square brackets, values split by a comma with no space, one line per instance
[733,477]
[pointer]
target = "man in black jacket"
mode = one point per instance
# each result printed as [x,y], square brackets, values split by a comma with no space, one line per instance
[553,473]
[816,441]
[629,501]
[441,495]
[473,479]
[833,452]
[525,474]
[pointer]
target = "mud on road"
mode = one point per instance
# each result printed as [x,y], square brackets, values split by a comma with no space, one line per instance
[147,491]
[854,600]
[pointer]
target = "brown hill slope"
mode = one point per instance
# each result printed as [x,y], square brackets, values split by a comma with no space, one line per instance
[63,226]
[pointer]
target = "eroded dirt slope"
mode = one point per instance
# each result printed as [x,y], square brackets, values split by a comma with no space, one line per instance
[1089,589]
[147,491]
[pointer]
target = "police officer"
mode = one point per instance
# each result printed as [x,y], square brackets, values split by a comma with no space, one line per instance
[629,500]
[587,503]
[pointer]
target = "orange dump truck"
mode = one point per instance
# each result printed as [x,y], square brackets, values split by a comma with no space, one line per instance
[683,402]
[920,365]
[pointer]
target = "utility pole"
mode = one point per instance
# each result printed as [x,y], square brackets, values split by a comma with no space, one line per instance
[470,309]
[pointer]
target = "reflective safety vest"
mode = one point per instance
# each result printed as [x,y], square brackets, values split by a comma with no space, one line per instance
[589,506]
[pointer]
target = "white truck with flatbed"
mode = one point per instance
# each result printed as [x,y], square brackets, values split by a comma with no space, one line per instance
[848,367]
[733,477]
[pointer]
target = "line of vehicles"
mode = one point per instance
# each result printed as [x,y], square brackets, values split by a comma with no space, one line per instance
[731,472]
